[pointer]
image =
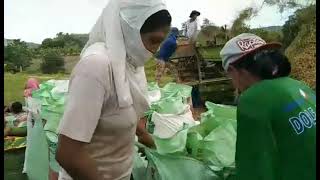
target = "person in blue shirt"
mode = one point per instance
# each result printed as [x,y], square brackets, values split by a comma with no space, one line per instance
[167,48]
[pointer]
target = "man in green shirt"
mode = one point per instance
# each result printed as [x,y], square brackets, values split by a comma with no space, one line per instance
[276,116]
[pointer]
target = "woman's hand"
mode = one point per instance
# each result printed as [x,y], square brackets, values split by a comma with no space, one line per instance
[143,136]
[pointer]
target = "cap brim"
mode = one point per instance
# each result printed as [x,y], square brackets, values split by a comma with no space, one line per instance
[265,46]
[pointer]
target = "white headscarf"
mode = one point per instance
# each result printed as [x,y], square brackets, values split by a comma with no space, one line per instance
[118,30]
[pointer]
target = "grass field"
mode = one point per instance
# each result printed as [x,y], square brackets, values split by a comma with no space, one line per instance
[210,53]
[14,83]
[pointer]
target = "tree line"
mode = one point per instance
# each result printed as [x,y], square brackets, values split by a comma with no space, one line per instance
[18,56]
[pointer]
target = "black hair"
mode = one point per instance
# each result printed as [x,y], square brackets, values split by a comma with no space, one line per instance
[156,21]
[266,64]
[16,107]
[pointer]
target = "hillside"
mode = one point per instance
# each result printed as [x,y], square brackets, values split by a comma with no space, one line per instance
[302,54]
[302,50]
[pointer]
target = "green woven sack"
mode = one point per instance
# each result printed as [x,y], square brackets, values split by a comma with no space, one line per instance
[37,160]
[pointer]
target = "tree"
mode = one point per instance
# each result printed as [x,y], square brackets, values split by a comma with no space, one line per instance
[66,42]
[53,43]
[52,62]
[210,31]
[239,25]
[17,55]
[268,36]
[295,22]
[285,4]
[206,22]
[46,43]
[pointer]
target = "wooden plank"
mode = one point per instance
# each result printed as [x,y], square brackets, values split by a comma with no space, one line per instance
[172,58]
[207,81]
[215,80]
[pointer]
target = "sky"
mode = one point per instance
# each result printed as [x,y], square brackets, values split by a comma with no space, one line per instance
[35,20]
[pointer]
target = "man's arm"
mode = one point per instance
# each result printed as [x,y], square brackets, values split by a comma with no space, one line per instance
[72,156]
[167,49]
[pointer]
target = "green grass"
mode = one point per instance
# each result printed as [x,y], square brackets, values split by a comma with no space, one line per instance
[13,164]
[150,69]
[14,84]
[210,53]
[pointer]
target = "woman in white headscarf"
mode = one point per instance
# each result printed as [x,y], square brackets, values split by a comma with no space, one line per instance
[107,91]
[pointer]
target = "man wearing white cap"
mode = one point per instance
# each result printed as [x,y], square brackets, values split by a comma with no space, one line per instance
[192,26]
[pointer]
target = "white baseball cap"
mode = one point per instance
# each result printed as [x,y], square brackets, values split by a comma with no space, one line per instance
[241,46]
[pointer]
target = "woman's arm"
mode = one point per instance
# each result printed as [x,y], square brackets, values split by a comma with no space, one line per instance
[87,93]
[143,136]
[72,156]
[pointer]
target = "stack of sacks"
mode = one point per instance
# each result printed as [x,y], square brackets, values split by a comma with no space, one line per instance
[52,96]
[170,111]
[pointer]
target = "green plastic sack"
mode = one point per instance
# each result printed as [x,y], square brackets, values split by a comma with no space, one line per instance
[171,88]
[175,144]
[52,139]
[37,160]
[52,101]
[153,86]
[213,141]
[170,105]
[216,115]
[10,121]
[54,165]
[220,112]
[176,167]
[139,166]
[53,120]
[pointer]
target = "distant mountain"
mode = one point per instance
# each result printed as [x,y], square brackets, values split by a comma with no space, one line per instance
[30,44]
[33,45]
[272,28]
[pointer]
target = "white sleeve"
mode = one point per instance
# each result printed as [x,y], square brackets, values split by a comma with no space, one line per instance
[85,101]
